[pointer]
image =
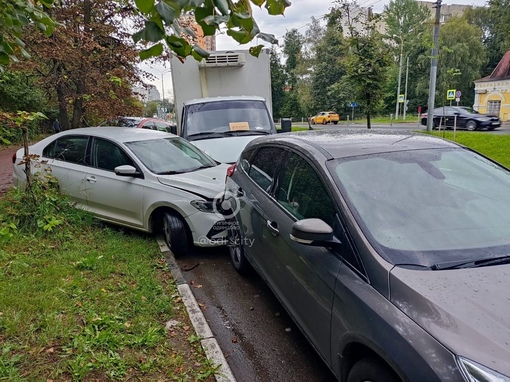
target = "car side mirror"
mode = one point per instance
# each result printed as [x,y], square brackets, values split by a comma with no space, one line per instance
[127,170]
[314,232]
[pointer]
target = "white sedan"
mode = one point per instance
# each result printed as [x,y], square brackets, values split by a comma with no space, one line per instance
[147,180]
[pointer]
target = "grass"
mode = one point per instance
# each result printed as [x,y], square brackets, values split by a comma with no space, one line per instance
[86,302]
[496,147]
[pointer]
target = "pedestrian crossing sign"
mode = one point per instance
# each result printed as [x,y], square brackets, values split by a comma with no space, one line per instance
[450,94]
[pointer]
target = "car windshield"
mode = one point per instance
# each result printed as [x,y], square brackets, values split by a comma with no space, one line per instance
[170,155]
[424,207]
[227,116]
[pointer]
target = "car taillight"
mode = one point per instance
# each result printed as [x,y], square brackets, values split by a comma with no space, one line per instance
[230,170]
[14,158]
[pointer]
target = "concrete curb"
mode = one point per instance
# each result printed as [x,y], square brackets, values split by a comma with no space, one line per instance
[209,344]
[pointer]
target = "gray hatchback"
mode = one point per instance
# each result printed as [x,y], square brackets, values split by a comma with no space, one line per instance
[391,251]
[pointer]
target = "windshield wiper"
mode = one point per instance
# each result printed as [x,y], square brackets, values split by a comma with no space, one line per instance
[202,167]
[472,263]
[205,135]
[173,172]
[251,132]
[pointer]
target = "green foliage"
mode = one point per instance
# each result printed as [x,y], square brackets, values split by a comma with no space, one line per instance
[14,16]
[328,88]
[18,92]
[161,26]
[278,81]
[40,210]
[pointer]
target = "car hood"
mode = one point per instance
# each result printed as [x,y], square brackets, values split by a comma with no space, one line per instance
[467,310]
[225,150]
[206,183]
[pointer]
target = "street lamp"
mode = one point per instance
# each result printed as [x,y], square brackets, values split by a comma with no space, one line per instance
[162,73]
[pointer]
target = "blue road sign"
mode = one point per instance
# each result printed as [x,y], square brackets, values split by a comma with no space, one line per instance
[354,104]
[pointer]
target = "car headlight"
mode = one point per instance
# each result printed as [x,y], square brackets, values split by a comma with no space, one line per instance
[203,205]
[474,372]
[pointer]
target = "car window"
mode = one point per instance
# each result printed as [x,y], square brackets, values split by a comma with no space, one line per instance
[166,156]
[107,155]
[244,160]
[301,192]
[264,165]
[149,125]
[71,148]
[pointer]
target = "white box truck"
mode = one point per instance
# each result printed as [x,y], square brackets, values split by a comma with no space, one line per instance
[223,101]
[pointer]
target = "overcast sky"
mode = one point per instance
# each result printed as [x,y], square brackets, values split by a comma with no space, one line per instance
[297,16]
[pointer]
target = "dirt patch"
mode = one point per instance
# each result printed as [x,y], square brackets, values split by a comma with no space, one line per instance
[6,168]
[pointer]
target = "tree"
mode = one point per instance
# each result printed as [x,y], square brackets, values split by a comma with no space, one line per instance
[327,90]
[293,43]
[462,58]
[14,15]
[278,81]
[367,61]
[88,64]
[161,27]
[406,22]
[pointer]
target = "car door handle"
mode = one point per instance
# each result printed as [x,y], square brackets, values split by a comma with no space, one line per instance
[273,227]
[91,179]
[240,193]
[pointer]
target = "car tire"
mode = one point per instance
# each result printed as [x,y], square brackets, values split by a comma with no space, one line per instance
[471,125]
[371,369]
[313,122]
[236,249]
[335,122]
[324,121]
[174,233]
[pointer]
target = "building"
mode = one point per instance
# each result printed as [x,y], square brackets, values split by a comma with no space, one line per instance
[492,93]
[447,10]
[207,43]
[146,93]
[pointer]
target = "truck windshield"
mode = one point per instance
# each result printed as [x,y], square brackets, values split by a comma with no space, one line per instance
[227,116]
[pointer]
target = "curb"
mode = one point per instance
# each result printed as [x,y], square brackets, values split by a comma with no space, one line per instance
[209,344]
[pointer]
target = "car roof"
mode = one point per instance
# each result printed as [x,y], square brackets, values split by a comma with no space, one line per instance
[119,134]
[224,98]
[343,143]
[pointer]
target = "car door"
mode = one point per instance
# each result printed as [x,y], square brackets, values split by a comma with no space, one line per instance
[303,277]
[68,160]
[110,196]
[253,197]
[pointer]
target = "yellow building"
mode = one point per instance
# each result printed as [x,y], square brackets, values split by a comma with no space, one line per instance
[492,93]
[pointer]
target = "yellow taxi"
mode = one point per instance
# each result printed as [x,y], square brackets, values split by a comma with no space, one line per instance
[325,117]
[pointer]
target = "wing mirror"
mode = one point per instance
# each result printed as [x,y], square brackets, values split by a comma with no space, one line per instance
[314,232]
[127,170]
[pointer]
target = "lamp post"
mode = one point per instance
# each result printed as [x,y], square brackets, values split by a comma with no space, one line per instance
[399,75]
[162,73]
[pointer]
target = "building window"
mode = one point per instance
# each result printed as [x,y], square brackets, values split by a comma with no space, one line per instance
[493,108]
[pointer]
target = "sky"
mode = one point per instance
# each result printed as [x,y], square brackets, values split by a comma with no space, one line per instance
[297,16]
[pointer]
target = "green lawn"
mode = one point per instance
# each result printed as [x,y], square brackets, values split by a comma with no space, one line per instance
[85,302]
[494,146]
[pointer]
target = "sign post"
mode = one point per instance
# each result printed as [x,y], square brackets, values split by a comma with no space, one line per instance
[458,94]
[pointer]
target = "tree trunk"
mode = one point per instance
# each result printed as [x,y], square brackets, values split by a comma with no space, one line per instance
[62,107]
[78,104]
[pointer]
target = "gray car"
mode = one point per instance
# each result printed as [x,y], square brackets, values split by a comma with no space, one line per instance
[390,251]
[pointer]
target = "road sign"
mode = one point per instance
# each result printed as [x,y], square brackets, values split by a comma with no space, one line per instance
[457,99]
[458,94]
[450,94]
[401,98]
[354,104]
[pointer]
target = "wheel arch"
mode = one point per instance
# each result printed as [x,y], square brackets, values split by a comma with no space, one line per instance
[155,223]
[355,351]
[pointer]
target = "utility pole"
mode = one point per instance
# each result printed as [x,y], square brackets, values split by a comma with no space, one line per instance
[399,76]
[405,91]
[433,68]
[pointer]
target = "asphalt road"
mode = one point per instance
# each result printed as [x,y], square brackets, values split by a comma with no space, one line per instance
[258,338]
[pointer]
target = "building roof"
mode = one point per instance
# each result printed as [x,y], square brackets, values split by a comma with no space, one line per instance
[501,72]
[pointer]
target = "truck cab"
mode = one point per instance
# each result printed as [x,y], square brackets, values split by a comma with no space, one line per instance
[223,101]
